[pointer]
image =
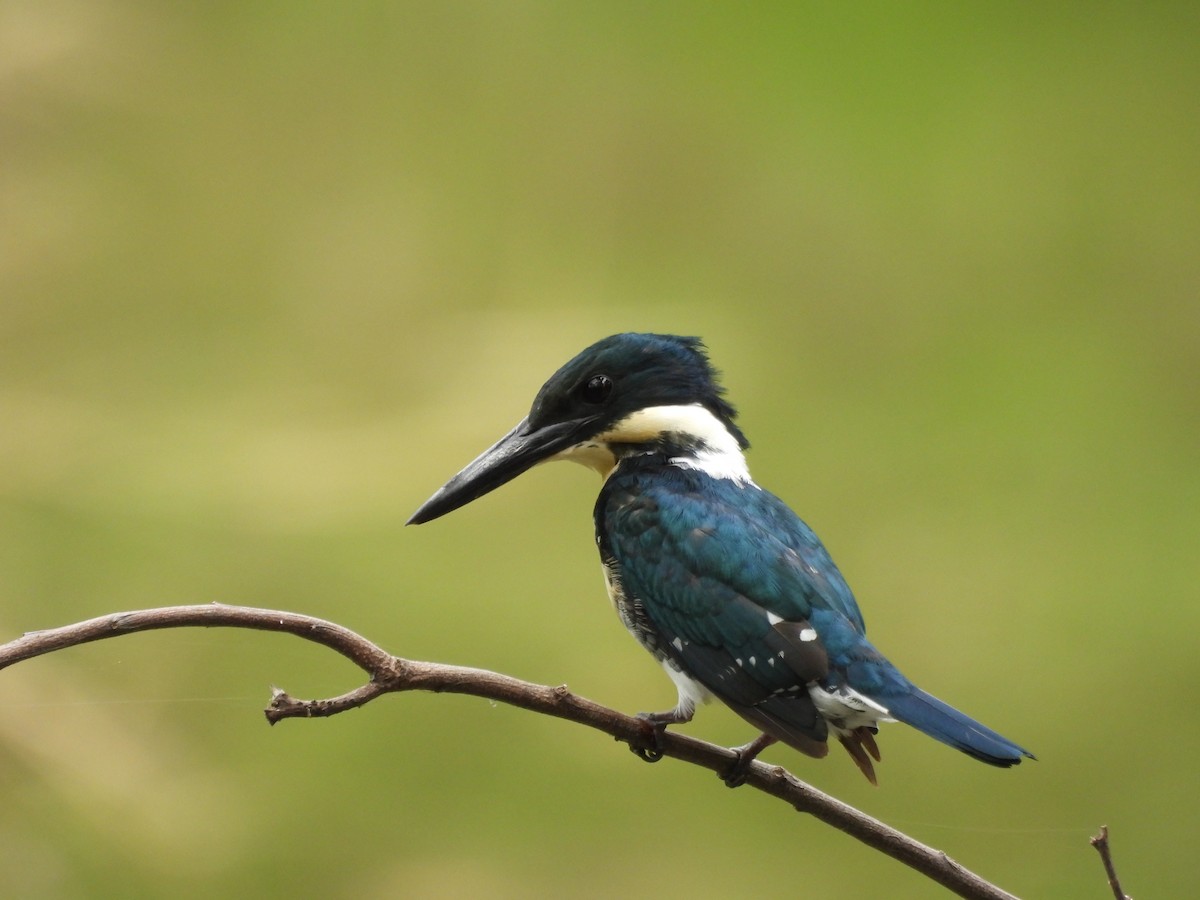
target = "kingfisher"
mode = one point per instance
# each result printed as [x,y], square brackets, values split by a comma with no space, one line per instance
[732,593]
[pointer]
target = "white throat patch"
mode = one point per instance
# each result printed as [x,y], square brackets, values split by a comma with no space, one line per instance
[719,454]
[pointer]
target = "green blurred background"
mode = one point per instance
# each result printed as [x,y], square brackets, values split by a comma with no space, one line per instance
[271,272]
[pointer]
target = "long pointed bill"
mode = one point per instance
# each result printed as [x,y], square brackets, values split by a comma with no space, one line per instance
[516,452]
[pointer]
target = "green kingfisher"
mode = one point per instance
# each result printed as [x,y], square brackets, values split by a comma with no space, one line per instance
[728,588]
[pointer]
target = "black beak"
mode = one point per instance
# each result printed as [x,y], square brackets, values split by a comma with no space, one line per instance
[519,450]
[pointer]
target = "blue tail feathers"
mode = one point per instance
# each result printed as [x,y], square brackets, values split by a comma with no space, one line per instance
[945,723]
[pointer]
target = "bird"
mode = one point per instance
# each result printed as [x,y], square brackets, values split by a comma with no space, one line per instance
[728,588]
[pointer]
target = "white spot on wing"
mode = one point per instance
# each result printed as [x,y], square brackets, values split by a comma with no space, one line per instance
[773,619]
[808,634]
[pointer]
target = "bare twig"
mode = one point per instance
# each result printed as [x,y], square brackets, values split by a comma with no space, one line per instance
[1100,842]
[392,674]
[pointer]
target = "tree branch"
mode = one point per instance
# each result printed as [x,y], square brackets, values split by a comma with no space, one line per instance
[1100,842]
[388,674]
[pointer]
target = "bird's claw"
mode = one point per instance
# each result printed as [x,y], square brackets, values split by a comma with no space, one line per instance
[739,770]
[647,754]
[735,775]
[649,747]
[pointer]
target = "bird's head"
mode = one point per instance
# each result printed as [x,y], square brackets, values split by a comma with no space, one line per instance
[624,394]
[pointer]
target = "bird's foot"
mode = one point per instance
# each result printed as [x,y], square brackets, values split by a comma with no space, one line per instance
[649,748]
[735,775]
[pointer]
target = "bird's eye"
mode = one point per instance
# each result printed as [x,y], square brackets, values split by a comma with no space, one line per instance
[597,389]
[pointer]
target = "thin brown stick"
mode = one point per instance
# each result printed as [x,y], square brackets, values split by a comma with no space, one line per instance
[388,674]
[1100,842]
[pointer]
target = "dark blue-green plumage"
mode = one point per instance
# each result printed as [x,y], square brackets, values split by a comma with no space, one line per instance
[711,562]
